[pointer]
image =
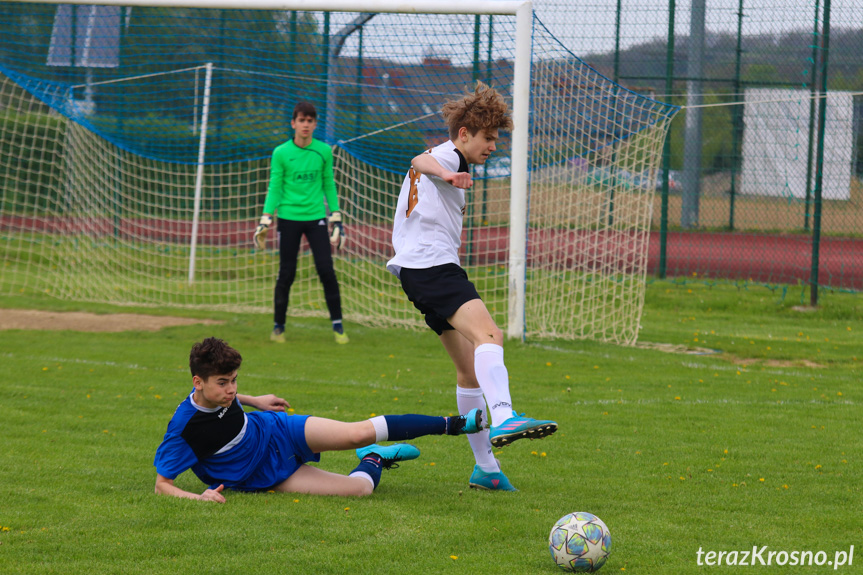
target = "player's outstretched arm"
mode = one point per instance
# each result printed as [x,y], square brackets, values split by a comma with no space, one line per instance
[267,402]
[165,486]
[426,164]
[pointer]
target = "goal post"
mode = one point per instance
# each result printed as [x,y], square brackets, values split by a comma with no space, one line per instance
[134,157]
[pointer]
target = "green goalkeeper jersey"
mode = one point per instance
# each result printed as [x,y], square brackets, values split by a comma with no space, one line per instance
[300,179]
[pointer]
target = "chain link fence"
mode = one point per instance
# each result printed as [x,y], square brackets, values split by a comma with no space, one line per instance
[762,179]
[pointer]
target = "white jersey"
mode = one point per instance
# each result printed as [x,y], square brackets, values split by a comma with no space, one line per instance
[429,214]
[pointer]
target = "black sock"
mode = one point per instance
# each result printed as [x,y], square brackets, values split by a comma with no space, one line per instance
[401,427]
[371,465]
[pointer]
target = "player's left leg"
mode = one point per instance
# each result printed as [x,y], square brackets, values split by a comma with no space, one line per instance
[319,242]
[315,481]
[323,434]
[473,321]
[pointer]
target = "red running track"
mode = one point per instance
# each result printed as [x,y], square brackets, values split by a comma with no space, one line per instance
[783,259]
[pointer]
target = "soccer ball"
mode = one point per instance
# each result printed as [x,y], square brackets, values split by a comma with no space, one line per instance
[579,542]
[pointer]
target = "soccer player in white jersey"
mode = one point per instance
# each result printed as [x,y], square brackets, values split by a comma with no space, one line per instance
[426,238]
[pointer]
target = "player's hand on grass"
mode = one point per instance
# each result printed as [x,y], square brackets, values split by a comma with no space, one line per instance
[337,234]
[214,495]
[260,237]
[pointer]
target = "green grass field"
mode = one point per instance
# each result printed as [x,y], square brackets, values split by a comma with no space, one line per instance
[755,443]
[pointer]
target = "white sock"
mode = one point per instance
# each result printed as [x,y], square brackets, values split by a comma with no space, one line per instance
[494,380]
[364,475]
[469,398]
[382,432]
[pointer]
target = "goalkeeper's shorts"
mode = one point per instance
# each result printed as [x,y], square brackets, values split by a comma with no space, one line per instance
[438,292]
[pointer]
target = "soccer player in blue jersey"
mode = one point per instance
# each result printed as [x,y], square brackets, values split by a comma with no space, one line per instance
[226,447]
[427,232]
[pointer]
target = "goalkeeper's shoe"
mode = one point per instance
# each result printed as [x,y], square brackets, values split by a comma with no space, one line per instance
[390,454]
[341,338]
[495,481]
[278,335]
[520,427]
[471,422]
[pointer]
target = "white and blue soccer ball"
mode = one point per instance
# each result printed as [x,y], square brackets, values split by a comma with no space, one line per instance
[579,542]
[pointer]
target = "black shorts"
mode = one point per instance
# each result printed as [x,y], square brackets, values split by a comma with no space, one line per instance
[438,292]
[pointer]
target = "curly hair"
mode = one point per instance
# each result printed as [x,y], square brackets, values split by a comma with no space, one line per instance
[213,356]
[485,109]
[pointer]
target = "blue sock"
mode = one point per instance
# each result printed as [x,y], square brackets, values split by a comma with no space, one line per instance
[337,326]
[400,427]
[371,464]
[280,326]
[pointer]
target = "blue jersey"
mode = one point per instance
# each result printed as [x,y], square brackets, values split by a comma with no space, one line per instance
[226,445]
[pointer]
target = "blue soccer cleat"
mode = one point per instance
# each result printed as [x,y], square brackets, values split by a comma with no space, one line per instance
[470,422]
[496,481]
[390,454]
[520,427]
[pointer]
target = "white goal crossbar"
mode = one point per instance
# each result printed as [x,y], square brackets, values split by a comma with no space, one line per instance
[523,12]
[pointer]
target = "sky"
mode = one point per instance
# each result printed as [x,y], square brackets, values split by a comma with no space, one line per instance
[588,26]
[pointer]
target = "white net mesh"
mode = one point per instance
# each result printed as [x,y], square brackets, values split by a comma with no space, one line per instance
[99,207]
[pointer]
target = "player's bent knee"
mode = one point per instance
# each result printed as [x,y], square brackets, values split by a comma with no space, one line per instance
[360,434]
[364,489]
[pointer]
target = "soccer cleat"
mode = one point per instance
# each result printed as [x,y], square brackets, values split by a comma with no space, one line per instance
[341,338]
[390,454]
[520,427]
[471,422]
[496,481]
[278,335]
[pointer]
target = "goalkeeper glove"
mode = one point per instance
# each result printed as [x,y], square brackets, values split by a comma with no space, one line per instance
[261,231]
[337,234]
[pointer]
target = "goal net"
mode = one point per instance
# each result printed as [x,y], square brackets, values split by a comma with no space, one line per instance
[135,146]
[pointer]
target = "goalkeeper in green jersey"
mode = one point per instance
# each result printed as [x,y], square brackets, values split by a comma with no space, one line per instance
[301,178]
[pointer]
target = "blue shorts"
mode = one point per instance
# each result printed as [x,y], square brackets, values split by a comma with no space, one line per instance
[438,292]
[286,451]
